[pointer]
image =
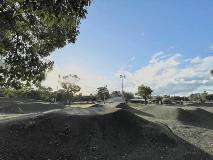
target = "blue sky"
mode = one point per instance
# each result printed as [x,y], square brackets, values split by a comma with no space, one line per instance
[123,36]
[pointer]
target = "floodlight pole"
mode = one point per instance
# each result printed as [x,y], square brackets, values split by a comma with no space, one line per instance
[57,87]
[122,84]
[105,94]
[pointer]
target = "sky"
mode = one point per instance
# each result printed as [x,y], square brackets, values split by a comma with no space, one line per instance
[164,44]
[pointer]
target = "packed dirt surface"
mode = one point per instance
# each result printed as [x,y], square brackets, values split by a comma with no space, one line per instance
[192,123]
[104,132]
[19,106]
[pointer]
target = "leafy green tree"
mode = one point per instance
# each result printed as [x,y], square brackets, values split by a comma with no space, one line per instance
[61,95]
[157,99]
[167,100]
[44,93]
[32,29]
[203,97]
[199,97]
[103,93]
[69,84]
[115,94]
[145,92]
[194,97]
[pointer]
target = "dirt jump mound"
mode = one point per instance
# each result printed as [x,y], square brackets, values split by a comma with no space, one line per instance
[196,117]
[113,136]
[27,107]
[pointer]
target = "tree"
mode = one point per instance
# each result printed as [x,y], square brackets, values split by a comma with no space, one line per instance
[157,99]
[203,97]
[61,95]
[115,94]
[128,95]
[145,92]
[44,93]
[167,100]
[69,84]
[200,97]
[103,93]
[29,31]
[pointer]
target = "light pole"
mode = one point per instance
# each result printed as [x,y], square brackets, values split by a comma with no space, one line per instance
[122,76]
[59,76]
[105,94]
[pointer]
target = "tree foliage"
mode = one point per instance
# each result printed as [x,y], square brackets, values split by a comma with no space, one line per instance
[69,84]
[103,93]
[115,94]
[128,95]
[41,93]
[199,97]
[29,31]
[145,92]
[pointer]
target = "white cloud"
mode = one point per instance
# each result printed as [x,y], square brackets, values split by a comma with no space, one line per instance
[89,80]
[164,73]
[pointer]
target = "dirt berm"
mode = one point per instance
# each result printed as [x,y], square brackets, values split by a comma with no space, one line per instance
[113,136]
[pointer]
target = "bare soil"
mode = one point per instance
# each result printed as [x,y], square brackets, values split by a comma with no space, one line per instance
[98,132]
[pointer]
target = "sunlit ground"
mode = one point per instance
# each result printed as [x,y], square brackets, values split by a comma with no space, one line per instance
[80,105]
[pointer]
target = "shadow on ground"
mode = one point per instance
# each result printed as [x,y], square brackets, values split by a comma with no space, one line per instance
[197,117]
[200,104]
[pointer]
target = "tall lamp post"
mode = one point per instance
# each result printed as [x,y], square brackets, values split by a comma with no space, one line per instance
[59,76]
[105,94]
[122,76]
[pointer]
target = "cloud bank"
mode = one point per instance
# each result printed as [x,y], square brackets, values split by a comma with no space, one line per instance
[164,73]
[171,74]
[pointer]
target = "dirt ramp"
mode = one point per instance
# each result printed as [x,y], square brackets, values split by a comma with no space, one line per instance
[197,117]
[114,136]
[165,113]
[30,107]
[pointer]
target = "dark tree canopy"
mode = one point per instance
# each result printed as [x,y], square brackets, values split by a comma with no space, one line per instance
[29,31]
[128,95]
[115,94]
[103,93]
[145,92]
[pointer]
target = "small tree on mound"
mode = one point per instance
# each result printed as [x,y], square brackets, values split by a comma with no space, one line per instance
[145,92]
[69,84]
[103,93]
